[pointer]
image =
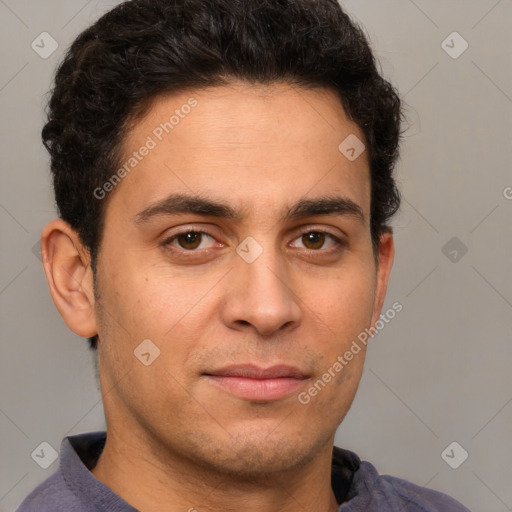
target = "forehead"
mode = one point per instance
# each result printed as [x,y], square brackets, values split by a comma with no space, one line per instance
[257,147]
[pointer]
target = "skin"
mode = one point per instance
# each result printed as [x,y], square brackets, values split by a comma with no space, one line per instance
[175,440]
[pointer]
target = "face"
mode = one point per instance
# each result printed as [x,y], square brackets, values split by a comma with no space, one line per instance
[249,301]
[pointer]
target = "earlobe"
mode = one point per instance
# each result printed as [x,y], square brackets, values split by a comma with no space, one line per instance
[386,254]
[67,267]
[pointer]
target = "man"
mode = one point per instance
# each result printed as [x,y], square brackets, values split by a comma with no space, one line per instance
[223,174]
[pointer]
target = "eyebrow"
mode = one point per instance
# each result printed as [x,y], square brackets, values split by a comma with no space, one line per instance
[176,204]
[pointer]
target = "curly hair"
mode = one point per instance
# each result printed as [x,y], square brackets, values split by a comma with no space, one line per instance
[145,48]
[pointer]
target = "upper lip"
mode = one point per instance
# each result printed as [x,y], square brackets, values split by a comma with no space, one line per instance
[251,371]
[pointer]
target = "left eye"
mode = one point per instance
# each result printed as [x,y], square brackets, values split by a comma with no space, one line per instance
[191,240]
[317,239]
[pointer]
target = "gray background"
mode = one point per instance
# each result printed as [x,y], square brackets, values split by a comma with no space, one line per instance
[438,373]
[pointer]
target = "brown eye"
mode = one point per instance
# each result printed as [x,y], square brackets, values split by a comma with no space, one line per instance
[315,240]
[188,240]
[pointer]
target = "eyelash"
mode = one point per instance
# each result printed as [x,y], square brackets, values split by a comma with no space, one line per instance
[339,244]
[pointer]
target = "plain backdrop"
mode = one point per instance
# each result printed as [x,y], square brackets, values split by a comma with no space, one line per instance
[438,373]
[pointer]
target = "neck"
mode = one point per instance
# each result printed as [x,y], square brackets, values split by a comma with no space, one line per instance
[149,478]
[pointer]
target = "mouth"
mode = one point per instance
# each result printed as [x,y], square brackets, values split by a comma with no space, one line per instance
[254,383]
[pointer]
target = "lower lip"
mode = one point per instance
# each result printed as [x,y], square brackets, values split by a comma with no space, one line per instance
[262,390]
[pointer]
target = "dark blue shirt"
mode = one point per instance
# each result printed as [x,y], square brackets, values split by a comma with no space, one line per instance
[73,488]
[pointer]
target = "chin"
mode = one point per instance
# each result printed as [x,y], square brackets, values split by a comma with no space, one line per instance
[256,453]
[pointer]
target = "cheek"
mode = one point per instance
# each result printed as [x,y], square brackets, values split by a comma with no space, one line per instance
[338,314]
[345,302]
[149,299]
[168,307]
[140,304]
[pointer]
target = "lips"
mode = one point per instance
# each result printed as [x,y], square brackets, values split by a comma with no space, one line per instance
[254,372]
[254,383]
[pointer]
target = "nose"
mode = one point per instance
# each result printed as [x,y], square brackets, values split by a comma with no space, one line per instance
[261,295]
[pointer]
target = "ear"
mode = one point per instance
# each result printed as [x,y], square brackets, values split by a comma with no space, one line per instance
[385,257]
[67,267]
